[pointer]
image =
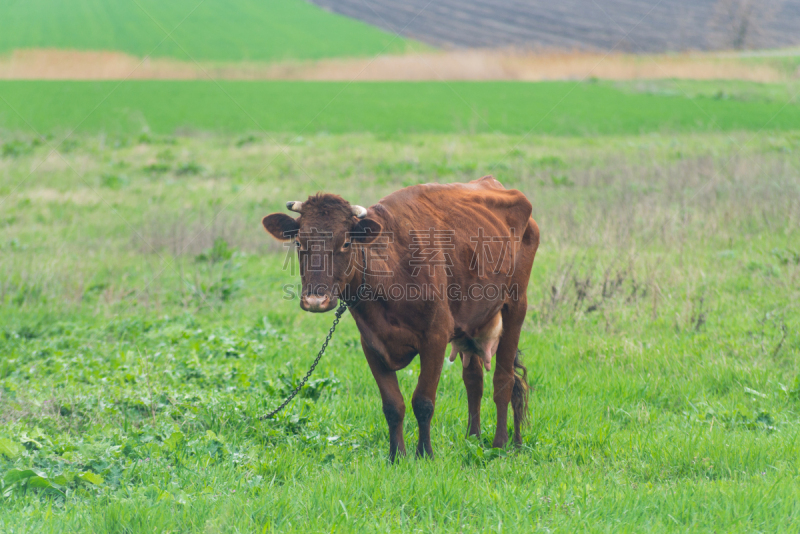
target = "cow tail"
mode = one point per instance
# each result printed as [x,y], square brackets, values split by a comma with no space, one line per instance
[519,395]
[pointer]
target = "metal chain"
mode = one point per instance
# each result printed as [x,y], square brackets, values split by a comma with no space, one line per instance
[339,312]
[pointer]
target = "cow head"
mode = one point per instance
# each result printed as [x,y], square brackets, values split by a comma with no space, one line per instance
[327,234]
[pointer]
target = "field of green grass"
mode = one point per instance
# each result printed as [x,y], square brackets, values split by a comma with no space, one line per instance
[143,329]
[556,108]
[208,30]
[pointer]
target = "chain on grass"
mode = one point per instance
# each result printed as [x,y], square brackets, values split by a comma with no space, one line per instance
[339,311]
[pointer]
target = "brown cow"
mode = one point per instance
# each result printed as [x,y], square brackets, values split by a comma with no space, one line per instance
[432,264]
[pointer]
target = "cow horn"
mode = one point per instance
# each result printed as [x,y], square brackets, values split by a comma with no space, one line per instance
[294,205]
[359,211]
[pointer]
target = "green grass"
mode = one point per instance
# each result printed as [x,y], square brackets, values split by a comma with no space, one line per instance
[662,340]
[558,108]
[208,30]
[736,90]
[787,60]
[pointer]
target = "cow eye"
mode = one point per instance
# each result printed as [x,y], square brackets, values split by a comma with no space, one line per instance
[297,244]
[346,245]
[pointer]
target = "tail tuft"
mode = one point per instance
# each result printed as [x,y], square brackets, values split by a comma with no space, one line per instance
[519,395]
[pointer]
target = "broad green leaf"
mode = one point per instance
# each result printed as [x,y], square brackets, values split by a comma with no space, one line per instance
[39,482]
[92,478]
[10,448]
[15,475]
[172,442]
[42,482]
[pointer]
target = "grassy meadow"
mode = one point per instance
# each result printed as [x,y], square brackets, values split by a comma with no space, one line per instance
[387,108]
[211,30]
[143,329]
[144,325]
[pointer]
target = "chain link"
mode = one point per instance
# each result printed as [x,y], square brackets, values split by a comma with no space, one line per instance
[339,312]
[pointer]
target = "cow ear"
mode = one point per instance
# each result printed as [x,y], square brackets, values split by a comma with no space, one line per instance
[365,231]
[281,226]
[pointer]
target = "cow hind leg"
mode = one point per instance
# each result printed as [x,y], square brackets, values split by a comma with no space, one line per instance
[509,388]
[473,381]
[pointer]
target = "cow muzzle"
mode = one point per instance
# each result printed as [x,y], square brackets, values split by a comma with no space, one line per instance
[317,303]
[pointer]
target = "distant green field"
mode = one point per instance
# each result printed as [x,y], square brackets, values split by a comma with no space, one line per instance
[209,30]
[557,108]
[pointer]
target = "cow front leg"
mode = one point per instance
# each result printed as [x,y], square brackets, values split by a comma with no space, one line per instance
[394,406]
[472,375]
[423,401]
